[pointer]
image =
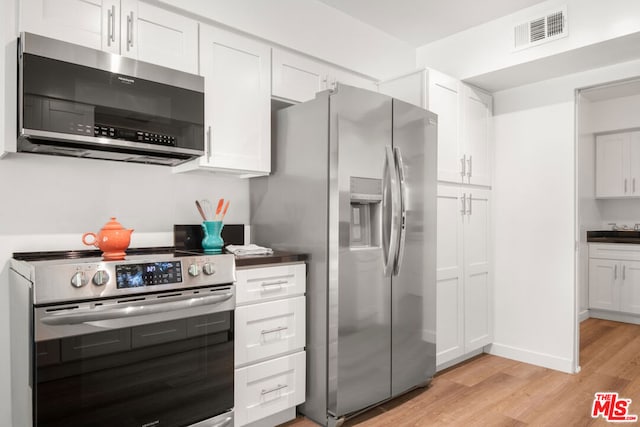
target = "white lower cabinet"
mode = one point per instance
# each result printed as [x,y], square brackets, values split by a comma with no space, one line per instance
[614,278]
[464,290]
[270,362]
[267,388]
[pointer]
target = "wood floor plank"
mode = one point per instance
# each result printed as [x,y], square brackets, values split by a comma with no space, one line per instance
[493,391]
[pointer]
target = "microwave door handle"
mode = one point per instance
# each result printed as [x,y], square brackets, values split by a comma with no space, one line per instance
[138,310]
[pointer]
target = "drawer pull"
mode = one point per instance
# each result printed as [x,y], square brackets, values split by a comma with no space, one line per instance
[277,283]
[271,390]
[271,331]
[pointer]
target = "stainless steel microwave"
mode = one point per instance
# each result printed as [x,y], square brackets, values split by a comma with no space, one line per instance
[76,101]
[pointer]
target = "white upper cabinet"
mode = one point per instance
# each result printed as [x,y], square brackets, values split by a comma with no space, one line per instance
[476,136]
[618,165]
[464,122]
[444,100]
[128,27]
[296,78]
[237,77]
[155,35]
[74,21]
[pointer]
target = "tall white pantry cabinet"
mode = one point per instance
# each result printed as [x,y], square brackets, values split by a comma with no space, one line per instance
[464,264]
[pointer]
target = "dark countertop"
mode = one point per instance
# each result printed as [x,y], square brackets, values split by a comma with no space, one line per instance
[277,257]
[611,236]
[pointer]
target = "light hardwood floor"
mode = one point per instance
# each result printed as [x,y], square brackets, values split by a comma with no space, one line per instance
[492,391]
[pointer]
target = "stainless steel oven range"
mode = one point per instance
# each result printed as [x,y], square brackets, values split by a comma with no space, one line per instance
[143,342]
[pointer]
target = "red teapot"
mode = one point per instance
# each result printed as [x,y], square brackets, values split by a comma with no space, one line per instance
[113,240]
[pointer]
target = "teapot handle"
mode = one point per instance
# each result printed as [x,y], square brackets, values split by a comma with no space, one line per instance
[95,239]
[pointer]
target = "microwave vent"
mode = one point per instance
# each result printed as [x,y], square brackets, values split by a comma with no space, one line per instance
[542,29]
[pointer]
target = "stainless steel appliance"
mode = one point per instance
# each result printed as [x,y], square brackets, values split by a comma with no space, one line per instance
[76,101]
[354,185]
[147,341]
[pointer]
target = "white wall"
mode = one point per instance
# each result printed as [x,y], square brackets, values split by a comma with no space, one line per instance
[314,28]
[534,193]
[488,47]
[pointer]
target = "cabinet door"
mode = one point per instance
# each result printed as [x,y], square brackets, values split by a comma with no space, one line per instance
[296,78]
[155,35]
[634,164]
[237,76]
[630,287]
[603,276]
[478,301]
[449,277]
[444,100]
[411,88]
[74,21]
[476,138]
[336,75]
[612,165]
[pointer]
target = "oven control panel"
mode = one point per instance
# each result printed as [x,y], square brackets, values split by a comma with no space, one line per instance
[91,278]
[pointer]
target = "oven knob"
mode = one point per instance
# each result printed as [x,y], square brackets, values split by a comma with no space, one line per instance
[100,278]
[194,270]
[208,269]
[79,279]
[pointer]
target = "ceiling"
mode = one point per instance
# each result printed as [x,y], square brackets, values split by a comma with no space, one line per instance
[419,22]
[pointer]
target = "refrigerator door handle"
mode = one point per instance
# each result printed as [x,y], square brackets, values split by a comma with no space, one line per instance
[390,190]
[402,210]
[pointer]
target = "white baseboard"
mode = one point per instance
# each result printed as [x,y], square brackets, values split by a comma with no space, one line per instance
[614,316]
[532,357]
[583,315]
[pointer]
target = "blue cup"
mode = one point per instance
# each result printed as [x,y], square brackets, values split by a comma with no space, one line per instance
[212,242]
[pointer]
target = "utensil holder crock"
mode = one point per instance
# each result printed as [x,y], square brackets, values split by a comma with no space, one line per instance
[212,242]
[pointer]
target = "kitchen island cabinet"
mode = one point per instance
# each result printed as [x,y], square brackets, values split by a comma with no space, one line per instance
[131,28]
[270,358]
[237,73]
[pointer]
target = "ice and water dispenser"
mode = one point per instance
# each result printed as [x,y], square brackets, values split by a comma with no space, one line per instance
[366,201]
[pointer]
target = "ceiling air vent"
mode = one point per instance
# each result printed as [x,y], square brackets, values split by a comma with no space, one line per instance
[533,32]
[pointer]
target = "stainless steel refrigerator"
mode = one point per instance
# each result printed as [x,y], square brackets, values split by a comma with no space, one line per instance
[353,185]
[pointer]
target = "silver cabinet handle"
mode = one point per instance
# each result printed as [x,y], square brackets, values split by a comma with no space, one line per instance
[633,185]
[111,25]
[463,211]
[463,168]
[469,171]
[271,390]
[615,272]
[624,271]
[470,204]
[625,185]
[130,30]
[274,330]
[277,283]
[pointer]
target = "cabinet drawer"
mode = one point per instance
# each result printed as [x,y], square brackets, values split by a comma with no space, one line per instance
[615,251]
[268,283]
[269,387]
[269,329]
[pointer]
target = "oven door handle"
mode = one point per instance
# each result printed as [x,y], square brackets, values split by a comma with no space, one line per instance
[63,318]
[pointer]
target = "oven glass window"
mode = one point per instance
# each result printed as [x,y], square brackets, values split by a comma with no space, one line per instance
[172,373]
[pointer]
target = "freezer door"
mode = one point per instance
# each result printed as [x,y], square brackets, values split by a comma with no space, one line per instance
[359,333]
[413,285]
